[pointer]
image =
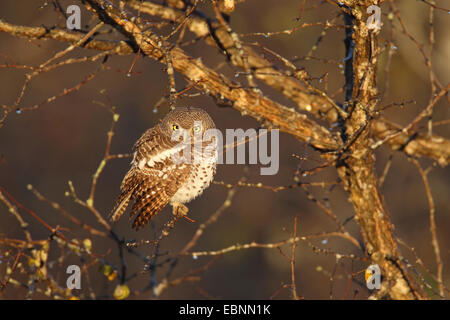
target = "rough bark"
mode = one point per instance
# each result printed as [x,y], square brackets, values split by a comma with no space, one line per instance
[358,168]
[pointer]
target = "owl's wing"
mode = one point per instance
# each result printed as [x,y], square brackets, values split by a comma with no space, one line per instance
[150,144]
[155,191]
[152,180]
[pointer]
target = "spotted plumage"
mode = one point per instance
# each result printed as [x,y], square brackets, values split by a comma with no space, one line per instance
[163,172]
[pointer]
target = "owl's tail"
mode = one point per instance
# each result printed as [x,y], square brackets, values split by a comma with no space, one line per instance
[121,206]
[128,186]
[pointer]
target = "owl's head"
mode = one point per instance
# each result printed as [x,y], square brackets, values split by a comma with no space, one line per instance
[186,122]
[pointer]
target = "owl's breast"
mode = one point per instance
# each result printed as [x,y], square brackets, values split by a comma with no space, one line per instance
[201,176]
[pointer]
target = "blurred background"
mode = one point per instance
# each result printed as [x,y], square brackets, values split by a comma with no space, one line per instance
[65,140]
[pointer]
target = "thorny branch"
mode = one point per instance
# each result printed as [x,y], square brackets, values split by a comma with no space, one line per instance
[361,129]
[419,144]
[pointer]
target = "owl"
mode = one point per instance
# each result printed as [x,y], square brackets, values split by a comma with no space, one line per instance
[172,164]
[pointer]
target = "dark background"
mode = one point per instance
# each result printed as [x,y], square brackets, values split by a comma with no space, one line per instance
[65,140]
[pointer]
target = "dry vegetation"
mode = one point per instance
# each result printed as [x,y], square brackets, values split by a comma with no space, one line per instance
[342,128]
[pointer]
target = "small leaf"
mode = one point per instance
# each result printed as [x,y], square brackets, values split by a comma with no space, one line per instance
[113,275]
[121,292]
[87,243]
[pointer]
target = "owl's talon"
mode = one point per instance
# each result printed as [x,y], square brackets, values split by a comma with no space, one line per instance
[180,210]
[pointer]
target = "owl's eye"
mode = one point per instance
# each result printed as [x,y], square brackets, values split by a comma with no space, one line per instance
[175,127]
[197,128]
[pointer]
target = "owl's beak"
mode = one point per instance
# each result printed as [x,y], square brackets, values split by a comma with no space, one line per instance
[186,137]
